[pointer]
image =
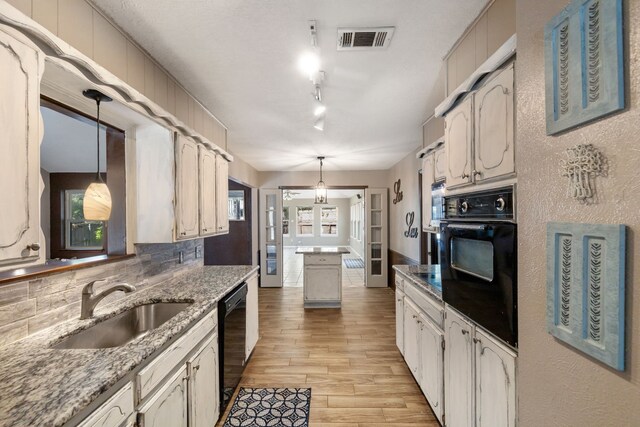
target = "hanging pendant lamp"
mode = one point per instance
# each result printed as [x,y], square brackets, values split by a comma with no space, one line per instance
[97,198]
[321,188]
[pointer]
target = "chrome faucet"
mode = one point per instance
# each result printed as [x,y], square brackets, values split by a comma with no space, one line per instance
[89,300]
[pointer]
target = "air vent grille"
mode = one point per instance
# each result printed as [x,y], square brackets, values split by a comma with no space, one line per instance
[364,38]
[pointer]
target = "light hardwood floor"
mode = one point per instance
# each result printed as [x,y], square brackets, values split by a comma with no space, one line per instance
[347,357]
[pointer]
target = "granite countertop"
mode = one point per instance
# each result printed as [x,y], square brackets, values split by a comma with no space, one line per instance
[40,386]
[427,277]
[322,250]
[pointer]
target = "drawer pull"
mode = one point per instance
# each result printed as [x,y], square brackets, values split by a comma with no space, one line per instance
[464,332]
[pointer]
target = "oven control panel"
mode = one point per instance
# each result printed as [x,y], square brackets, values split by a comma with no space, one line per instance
[486,205]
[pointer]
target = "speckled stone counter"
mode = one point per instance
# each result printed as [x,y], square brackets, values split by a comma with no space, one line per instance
[40,386]
[322,250]
[427,277]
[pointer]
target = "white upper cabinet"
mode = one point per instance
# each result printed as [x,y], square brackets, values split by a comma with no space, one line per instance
[494,137]
[439,164]
[427,181]
[222,195]
[479,133]
[187,224]
[458,136]
[207,185]
[19,152]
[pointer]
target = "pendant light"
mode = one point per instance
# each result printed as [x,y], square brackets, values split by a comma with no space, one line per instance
[97,198]
[321,188]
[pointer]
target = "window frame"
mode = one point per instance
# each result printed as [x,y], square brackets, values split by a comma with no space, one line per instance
[287,220]
[68,222]
[322,224]
[298,223]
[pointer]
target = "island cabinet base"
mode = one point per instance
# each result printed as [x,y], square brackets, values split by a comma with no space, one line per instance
[323,281]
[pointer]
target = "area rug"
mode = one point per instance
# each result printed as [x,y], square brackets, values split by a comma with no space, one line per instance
[272,407]
[353,263]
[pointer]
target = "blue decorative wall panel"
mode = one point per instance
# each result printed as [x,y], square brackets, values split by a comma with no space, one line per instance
[584,63]
[586,288]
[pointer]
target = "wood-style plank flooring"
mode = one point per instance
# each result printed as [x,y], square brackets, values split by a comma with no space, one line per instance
[347,357]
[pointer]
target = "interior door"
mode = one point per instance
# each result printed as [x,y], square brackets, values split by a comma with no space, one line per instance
[270,223]
[376,237]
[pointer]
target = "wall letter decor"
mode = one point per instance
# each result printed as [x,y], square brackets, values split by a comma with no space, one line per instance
[584,162]
[412,232]
[584,63]
[397,191]
[586,288]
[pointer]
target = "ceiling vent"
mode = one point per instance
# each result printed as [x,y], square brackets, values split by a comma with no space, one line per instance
[364,38]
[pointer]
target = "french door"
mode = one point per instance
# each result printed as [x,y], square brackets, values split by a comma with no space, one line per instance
[376,236]
[270,223]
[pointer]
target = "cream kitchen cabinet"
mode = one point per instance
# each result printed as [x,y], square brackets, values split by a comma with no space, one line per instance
[169,406]
[115,411]
[428,178]
[411,338]
[253,327]
[480,382]
[494,153]
[479,135]
[458,136]
[207,191]
[431,379]
[20,135]
[187,224]
[204,399]
[222,195]
[400,313]
[439,164]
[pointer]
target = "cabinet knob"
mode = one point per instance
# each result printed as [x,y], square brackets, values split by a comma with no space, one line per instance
[464,332]
[34,247]
[477,341]
[465,176]
[205,230]
[184,233]
[414,316]
[476,172]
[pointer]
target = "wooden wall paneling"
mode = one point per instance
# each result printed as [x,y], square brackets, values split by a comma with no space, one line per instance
[149,78]
[171,96]
[481,30]
[45,12]
[161,85]
[109,46]
[396,258]
[466,57]
[135,67]
[75,25]
[501,23]
[451,72]
[23,6]
[117,182]
[182,104]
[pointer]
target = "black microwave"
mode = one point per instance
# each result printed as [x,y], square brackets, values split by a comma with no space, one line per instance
[437,203]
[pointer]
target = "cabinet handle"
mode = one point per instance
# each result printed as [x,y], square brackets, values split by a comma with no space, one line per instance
[195,368]
[399,299]
[477,341]
[465,175]
[205,230]
[184,233]
[414,316]
[464,332]
[34,247]
[476,172]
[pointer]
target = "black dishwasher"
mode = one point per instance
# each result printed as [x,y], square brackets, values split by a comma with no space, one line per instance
[232,321]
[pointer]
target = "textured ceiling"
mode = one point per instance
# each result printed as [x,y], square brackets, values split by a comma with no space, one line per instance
[240,59]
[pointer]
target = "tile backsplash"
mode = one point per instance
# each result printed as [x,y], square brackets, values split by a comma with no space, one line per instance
[33,305]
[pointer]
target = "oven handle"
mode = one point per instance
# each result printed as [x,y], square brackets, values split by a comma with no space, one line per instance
[475,227]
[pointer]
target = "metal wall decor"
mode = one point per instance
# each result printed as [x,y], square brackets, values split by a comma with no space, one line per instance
[584,63]
[583,164]
[396,190]
[411,232]
[586,288]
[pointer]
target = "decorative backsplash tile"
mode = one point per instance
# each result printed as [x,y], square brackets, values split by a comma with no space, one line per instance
[31,306]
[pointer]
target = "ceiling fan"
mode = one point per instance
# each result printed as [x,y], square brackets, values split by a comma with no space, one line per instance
[288,194]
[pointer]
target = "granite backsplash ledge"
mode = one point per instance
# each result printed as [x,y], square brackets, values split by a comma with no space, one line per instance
[33,305]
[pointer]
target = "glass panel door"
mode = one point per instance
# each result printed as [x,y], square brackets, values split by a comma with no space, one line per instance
[271,238]
[376,227]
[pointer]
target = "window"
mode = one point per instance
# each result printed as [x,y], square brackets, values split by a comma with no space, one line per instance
[304,220]
[329,221]
[79,233]
[236,205]
[358,222]
[285,221]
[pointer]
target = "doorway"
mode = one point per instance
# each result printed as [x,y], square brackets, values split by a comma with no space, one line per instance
[233,248]
[290,219]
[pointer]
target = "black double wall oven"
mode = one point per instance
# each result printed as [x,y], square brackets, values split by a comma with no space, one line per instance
[478,240]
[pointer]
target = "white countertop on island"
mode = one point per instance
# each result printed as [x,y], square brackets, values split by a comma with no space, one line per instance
[322,250]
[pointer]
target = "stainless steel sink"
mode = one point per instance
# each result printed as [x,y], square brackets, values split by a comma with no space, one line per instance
[123,328]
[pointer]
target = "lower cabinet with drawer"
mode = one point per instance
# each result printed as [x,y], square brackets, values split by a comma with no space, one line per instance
[322,280]
[178,388]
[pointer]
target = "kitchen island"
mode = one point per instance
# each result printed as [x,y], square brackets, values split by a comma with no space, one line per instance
[322,275]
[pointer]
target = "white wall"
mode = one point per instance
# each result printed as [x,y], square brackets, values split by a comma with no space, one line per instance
[342,239]
[372,179]
[407,171]
[559,385]
[354,243]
